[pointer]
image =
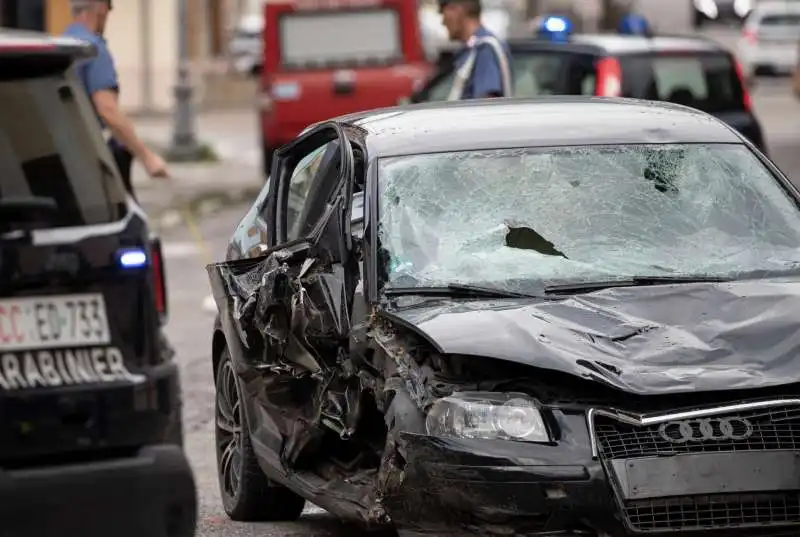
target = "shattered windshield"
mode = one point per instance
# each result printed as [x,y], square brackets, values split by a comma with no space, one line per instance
[514,218]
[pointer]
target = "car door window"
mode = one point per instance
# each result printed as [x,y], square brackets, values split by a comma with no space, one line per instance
[311,183]
[779,27]
[440,89]
[534,74]
[539,74]
[582,76]
[50,150]
[707,82]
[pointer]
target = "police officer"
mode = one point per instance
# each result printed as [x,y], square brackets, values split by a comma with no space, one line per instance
[483,65]
[99,78]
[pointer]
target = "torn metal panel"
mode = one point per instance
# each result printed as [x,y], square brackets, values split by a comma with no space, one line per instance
[290,314]
[646,340]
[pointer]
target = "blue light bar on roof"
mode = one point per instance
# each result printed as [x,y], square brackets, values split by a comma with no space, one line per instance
[554,28]
[633,24]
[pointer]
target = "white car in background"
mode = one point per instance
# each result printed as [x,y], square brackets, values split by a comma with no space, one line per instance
[769,40]
[246,48]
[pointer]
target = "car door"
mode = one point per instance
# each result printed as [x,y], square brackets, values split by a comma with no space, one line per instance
[285,314]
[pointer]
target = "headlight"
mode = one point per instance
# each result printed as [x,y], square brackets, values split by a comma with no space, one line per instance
[489,416]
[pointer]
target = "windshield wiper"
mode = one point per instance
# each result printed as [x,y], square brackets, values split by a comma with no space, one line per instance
[634,281]
[458,290]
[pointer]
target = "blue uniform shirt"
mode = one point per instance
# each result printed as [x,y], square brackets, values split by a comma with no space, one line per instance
[486,78]
[97,73]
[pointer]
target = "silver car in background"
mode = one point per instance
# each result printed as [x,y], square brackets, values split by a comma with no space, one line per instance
[768,45]
[245,48]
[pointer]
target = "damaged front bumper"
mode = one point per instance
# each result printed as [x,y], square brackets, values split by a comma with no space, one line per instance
[456,487]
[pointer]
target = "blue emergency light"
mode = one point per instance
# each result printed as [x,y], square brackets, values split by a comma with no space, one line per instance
[132,258]
[634,24]
[554,28]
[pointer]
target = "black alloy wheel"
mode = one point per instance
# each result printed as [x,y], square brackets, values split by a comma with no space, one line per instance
[247,494]
[228,430]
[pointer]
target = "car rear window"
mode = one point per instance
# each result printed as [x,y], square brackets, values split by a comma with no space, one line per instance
[707,82]
[536,73]
[354,37]
[48,149]
[782,19]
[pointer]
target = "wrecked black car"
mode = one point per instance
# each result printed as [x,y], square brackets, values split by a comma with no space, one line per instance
[564,316]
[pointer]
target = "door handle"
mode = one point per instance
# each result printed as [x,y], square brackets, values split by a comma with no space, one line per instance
[344,82]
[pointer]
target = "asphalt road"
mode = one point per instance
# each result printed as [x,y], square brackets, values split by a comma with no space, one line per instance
[190,323]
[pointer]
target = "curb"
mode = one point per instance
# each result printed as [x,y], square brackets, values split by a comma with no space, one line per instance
[201,205]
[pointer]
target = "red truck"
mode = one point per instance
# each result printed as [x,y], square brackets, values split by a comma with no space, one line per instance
[324,58]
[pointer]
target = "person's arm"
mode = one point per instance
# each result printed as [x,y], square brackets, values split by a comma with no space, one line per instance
[487,78]
[102,86]
[105,101]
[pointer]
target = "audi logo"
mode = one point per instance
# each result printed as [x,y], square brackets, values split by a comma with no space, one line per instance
[703,430]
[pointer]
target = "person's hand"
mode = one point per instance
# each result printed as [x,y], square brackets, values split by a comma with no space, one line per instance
[155,166]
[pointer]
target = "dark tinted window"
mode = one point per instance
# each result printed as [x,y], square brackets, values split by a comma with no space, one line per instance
[706,82]
[536,73]
[48,149]
[784,19]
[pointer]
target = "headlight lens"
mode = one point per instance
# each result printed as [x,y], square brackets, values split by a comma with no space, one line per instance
[489,416]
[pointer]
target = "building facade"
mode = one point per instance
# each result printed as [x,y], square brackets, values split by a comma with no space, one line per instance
[143,36]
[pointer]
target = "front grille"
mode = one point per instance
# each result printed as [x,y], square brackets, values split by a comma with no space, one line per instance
[713,512]
[772,428]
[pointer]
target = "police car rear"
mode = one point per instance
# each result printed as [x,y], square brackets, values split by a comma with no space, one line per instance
[687,70]
[90,422]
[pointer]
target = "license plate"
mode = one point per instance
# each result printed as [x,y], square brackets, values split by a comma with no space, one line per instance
[286,91]
[700,474]
[49,322]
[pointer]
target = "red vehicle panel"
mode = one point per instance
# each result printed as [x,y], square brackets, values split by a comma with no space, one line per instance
[324,58]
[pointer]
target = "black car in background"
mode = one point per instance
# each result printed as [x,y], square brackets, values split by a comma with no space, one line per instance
[687,70]
[91,438]
[569,316]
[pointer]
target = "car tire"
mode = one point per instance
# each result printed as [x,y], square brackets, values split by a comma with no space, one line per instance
[247,494]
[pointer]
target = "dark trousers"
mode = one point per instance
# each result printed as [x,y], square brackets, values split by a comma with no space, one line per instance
[124,160]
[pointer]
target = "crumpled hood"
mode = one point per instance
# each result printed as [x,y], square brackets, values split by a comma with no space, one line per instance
[646,340]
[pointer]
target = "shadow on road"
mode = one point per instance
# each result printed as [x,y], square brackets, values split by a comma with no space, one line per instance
[310,525]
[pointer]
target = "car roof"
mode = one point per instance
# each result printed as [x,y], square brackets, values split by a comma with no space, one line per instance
[616,44]
[17,43]
[548,121]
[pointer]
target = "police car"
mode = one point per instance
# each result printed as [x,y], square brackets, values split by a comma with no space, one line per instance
[688,70]
[90,402]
